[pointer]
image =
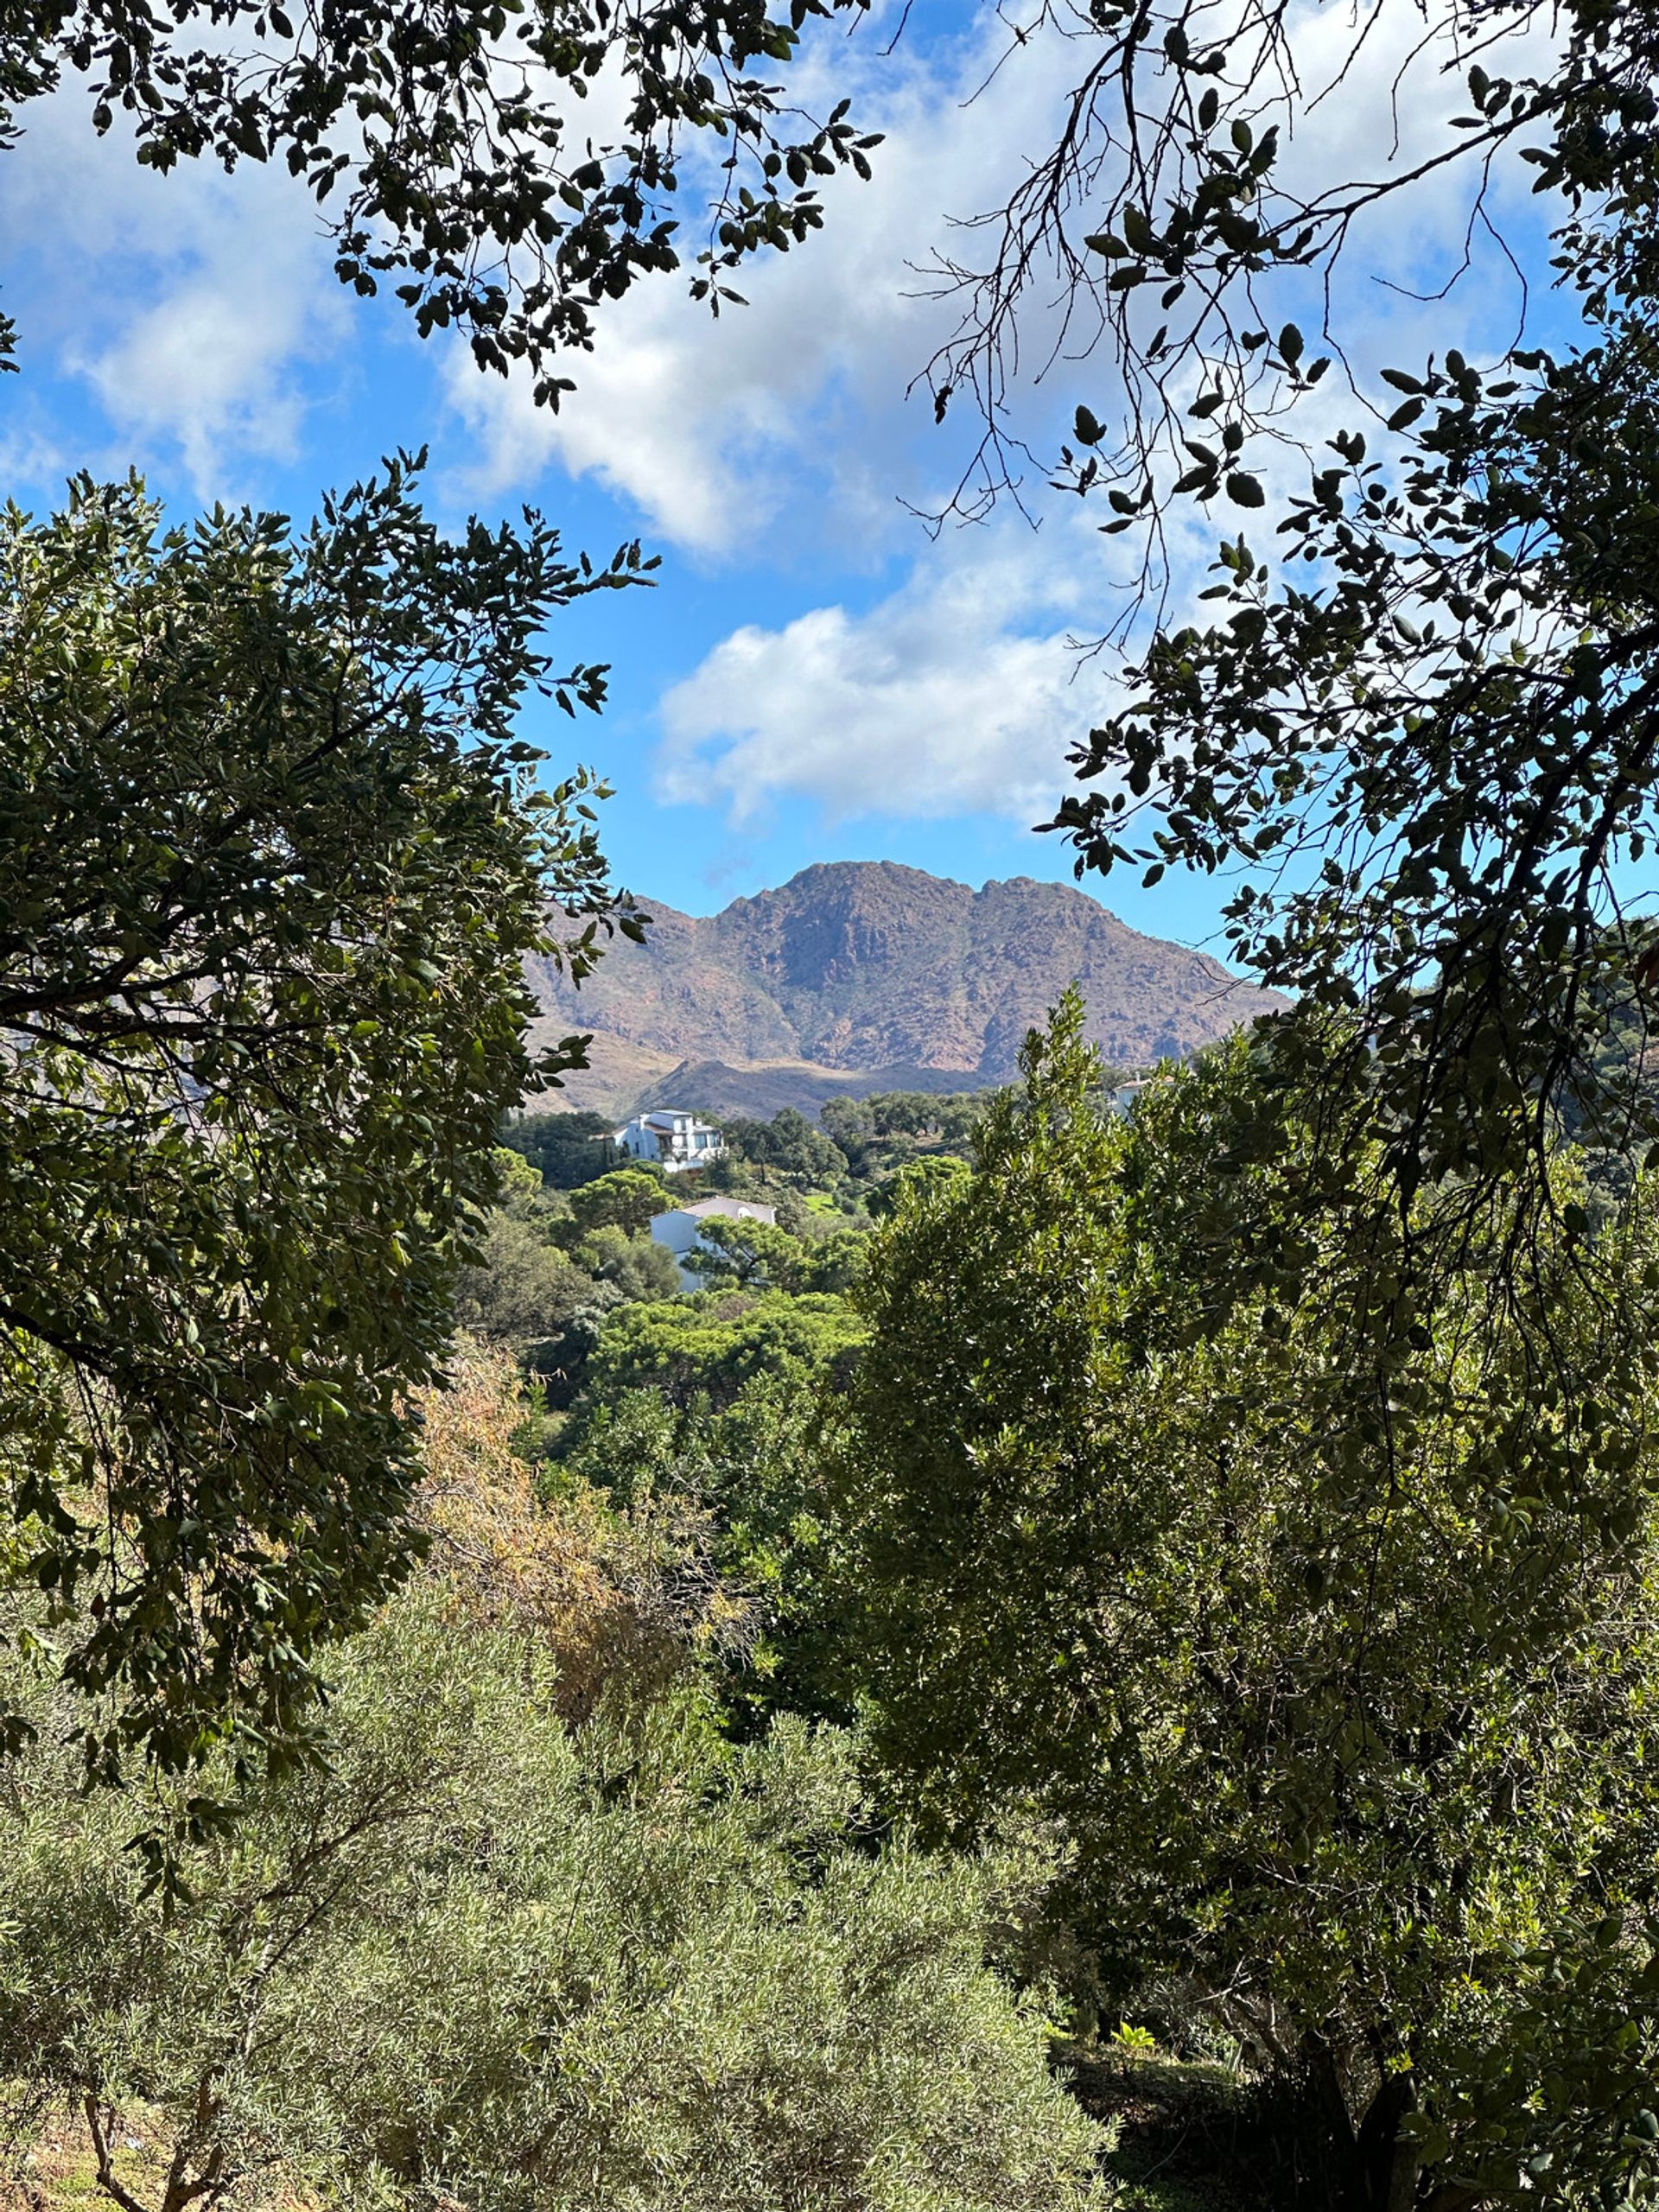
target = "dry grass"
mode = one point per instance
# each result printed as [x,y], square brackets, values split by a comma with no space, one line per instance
[47,2164]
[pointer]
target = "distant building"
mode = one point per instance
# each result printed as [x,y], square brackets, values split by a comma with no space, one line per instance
[682,1229]
[1123,1096]
[669,1140]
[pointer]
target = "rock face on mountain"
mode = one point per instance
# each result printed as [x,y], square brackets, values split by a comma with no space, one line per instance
[859,975]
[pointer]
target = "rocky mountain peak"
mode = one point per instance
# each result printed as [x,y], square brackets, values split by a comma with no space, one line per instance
[855,970]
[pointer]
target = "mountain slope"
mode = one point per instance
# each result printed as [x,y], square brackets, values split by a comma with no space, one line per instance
[855,970]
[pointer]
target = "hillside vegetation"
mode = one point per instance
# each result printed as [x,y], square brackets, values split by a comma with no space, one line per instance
[1078,1645]
[937,1719]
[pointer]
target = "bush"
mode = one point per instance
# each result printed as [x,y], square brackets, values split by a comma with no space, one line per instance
[469,1954]
[744,1487]
[524,1285]
[603,1594]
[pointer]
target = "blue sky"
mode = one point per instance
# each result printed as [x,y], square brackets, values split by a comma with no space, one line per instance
[815,677]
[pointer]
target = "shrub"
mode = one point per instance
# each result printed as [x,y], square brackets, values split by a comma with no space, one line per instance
[744,1488]
[470,1954]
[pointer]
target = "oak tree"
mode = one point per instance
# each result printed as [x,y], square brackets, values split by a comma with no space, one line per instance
[443,145]
[1336,1679]
[271,863]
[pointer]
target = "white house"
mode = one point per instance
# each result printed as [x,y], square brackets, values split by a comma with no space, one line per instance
[682,1229]
[669,1140]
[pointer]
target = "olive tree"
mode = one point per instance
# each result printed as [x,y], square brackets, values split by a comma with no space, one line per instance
[476,1957]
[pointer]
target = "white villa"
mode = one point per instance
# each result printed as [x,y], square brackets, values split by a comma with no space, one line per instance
[669,1140]
[682,1229]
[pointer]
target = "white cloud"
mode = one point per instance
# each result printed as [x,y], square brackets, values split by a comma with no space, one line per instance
[957,693]
[190,304]
[716,430]
[962,692]
[722,434]
[211,366]
[32,458]
[199,305]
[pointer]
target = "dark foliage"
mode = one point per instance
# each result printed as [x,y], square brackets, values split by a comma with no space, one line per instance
[440,144]
[566,1149]
[270,866]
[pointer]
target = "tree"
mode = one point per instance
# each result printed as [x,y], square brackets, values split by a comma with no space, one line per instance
[748,1482]
[475,1953]
[603,1593]
[637,1264]
[932,1171]
[540,1272]
[567,1149]
[789,1145]
[1413,717]
[438,144]
[523,1285]
[1418,722]
[946,1117]
[626,1199]
[270,866]
[838,1260]
[751,1254]
[266,830]
[759,1255]
[712,1342]
[1344,1716]
[881,1132]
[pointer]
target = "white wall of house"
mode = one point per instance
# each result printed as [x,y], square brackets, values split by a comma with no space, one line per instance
[681,1230]
[670,1141]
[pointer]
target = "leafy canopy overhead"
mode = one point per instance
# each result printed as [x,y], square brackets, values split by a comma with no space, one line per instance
[448,148]
[1415,722]
[270,866]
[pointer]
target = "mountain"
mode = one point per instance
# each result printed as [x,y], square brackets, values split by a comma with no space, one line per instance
[861,975]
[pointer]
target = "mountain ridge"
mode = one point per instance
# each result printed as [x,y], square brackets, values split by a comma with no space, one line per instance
[858,970]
